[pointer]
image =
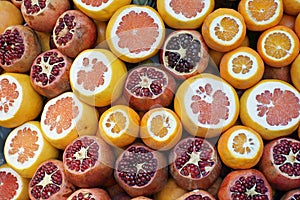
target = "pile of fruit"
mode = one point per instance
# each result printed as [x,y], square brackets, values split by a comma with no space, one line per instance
[146,99]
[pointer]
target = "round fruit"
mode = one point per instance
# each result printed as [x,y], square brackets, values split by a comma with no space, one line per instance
[291,7]
[17,3]
[71,28]
[196,194]
[97,77]
[10,15]
[281,73]
[50,182]
[170,191]
[184,53]
[149,86]
[88,161]
[207,105]
[194,163]
[16,93]
[141,171]
[179,15]
[135,33]
[25,149]
[245,184]
[19,46]
[280,163]
[49,73]
[291,195]
[295,71]
[288,20]
[42,15]
[89,194]
[271,107]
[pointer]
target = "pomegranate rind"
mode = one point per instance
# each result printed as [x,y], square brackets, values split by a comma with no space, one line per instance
[101,12]
[203,193]
[204,55]
[290,194]
[43,152]
[84,122]
[271,170]
[107,90]
[113,39]
[229,180]
[20,112]
[183,105]
[251,108]
[95,193]
[21,191]
[179,20]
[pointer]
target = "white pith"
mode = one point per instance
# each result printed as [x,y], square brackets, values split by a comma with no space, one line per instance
[217,22]
[46,128]
[92,8]
[240,75]
[12,158]
[251,104]
[9,170]
[78,66]
[156,19]
[109,129]
[171,125]
[276,15]
[253,145]
[217,85]
[17,102]
[181,17]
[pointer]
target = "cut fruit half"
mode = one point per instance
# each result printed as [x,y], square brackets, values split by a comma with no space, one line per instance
[135,33]
[12,184]
[97,77]
[16,93]
[119,125]
[184,14]
[240,147]
[207,105]
[160,128]
[65,117]
[242,67]
[271,107]
[26,148]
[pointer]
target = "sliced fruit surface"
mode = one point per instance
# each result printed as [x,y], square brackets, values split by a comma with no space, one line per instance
[135,33]
[271,107]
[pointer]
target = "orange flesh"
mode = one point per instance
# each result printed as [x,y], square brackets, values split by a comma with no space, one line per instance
[238,143]
[118,120]
[242,64]
[158,127]
[8,185]
[277,45]
[8,95]
[94,3]
[188,8]
[262,10]
[227,29]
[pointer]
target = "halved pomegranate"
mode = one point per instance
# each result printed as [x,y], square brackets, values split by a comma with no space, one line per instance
[149,86]
[50,182]
[196,194]
[88,161]
[280,163]
[141,171]
[42,15]
[49,73]
[184,53]
[19,46]
[195,163]
[245,184]
[74,32]
[291,195]
[89,194]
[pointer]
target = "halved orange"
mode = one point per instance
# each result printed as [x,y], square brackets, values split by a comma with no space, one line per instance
[12,184]
[260,15]
[271,107]
[278,46]
[100,10]
[180,14]
[135,33]
[295,72]
[160,128]
[207,105]
[97,77]
[119,125]
[26,148]
[65,117]
[240,147]
[224,29]
[291,7]
[16,94]
[242,67]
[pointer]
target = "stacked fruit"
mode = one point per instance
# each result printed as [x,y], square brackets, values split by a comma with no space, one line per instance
[145,99]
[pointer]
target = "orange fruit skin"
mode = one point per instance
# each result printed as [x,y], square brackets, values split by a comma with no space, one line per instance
[295,72]
[207,34]
[271,61]
[297,25]
[291,7]
[9,15]
[170,191]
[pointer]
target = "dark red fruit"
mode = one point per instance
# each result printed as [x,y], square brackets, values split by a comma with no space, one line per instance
[19,46]
[50,182]
[141,171]
[88,161]
[89,194]
[280,163]
[291,195]
[197,195]
[245,184]
[195,163]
